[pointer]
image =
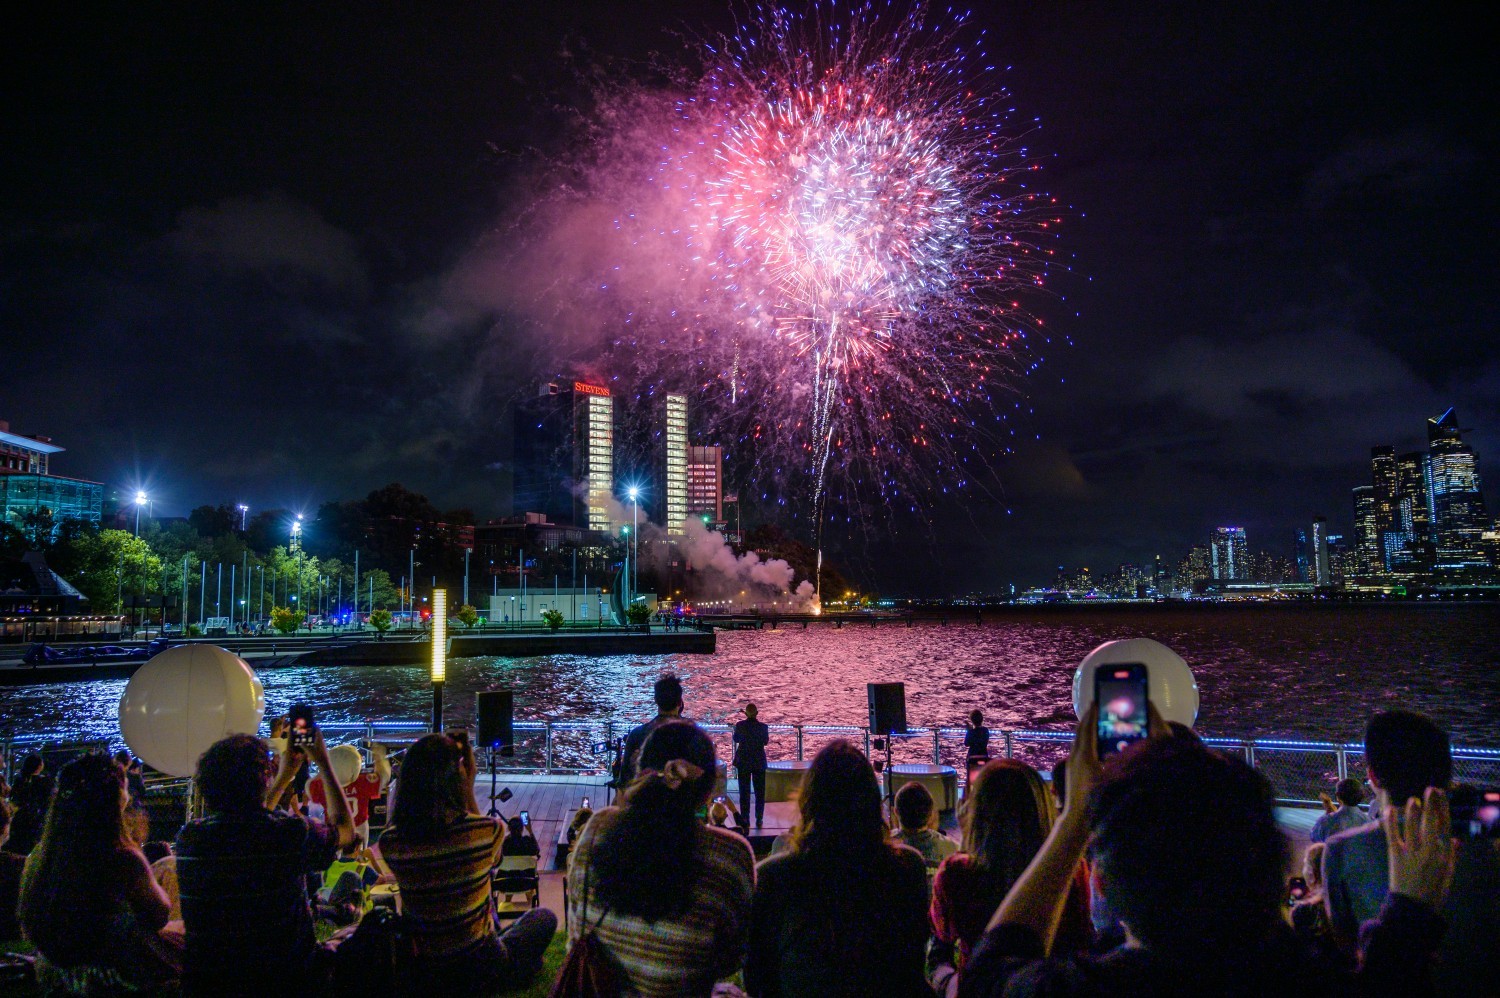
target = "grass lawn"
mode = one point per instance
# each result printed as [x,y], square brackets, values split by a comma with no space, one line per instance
[551,963]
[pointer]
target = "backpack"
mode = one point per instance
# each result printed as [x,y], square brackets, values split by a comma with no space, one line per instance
[377,957]
[587,971]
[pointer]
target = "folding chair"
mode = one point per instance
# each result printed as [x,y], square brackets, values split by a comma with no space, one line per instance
[512,876]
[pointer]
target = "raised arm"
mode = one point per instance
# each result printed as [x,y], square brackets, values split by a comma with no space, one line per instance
[334,805]
[292,760]
[1036,899]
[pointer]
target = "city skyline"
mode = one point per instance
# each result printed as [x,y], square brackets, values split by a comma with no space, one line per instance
[1281,259]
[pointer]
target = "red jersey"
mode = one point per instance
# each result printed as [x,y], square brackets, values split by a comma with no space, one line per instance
[359,794]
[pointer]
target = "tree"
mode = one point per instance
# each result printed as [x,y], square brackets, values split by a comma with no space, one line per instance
[554,618]
[214,521]
[381,620]
[109,564]
[286,620]
[468,616]
[638,613]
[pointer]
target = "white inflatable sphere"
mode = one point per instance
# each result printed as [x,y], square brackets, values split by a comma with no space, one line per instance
[184,700]
[1170,682]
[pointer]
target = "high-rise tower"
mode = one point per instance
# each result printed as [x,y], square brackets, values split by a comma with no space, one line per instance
[564,454]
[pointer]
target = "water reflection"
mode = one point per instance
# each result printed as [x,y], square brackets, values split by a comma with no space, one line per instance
[1296,671]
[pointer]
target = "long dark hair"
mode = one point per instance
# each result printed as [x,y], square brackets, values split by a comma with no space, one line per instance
[1006,818]
[839,806]
[644,862]
[431,788]
[77,859]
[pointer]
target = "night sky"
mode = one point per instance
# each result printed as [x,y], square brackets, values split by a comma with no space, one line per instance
[224,232]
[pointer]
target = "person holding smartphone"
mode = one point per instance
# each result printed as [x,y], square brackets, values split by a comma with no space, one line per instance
[442,852]
[243,840]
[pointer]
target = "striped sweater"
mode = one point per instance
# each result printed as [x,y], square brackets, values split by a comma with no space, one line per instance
[672,956]
[445,883]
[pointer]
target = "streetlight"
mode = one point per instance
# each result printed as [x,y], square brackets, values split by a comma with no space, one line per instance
[140,500]
[635,555]
[467,552]
[297,547]
[244,516]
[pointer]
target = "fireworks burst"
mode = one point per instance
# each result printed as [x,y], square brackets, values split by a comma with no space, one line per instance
[843,240]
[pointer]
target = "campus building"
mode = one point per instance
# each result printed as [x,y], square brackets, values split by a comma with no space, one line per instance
[31,497]
[564,454]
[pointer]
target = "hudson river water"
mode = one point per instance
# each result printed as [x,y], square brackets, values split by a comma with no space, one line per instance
[1295,671]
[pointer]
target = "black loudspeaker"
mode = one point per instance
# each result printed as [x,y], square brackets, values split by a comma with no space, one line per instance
[495,710]
[887,708]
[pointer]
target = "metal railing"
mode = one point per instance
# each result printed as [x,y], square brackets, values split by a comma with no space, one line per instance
[1298,770]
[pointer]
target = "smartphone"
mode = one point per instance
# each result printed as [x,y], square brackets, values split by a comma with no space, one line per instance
[525,819]
[721,799]
[1476,813]
[460,735]
[1296,890]
[1120,691]
[303,730]
[585,802]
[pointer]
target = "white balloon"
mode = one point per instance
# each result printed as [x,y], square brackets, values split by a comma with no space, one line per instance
[1170,683]
[184,700]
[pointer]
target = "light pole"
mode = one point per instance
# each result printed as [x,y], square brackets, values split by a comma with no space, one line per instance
[439,654]
[467,552]
[244,516]
[140,500]
[635,540]
[297,546]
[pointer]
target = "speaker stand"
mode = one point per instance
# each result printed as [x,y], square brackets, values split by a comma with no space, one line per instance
[494,811]
[890,779]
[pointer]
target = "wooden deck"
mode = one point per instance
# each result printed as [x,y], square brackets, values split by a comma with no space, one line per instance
[551,801]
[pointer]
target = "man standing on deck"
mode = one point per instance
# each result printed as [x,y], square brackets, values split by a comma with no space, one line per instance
[668,695]
[750,738]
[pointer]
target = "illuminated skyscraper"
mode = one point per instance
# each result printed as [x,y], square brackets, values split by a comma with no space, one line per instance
[1385,494]
[1229,555]
[564,454]
[1367,537]
[1458,513]
[1322,568]
[675,459]
[705,483]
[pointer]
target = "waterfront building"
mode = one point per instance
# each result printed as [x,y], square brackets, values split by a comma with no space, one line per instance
[1384,493]
[31,497]
[1299,555]
[1414,512]
[564,454]
[667,492]
[528,551]
[1161,576]
[1194,568]
[1366,531]
[1458,515]
[1229,555]
[1317,553]
[526,606]
[705,483]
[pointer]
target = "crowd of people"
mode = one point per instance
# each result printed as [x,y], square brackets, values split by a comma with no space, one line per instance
[1160,870]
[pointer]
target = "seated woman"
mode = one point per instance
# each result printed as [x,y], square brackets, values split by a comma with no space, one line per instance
[31,797]
[441,851]
[666,896]
[88,901]
[1006,818]
[844,912]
